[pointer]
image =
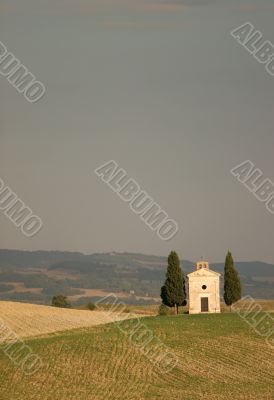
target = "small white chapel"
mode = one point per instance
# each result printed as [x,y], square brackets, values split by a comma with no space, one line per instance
[204,289]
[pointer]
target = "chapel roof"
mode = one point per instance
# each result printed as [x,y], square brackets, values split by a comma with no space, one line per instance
[202,269]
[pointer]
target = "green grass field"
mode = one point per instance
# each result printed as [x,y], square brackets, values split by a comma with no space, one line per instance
[221,357]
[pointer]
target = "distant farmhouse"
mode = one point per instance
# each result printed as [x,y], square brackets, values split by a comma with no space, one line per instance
[204,290]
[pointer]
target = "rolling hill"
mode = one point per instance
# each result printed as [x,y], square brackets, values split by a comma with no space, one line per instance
[28,320]
[218,357]
[37,276]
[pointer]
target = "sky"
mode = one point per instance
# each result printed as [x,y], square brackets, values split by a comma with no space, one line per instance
[162,88]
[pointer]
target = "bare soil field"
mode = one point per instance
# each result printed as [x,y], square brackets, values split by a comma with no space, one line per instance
[104,293]
[19,287]
[28,320]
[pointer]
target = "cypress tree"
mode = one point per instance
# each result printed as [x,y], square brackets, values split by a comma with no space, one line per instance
[173,293]
[232,282]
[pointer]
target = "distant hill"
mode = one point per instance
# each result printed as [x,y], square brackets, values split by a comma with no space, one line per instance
[37,276]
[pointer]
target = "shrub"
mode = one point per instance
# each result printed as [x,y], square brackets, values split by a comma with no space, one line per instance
[60,301]
[163,310]
[91,306]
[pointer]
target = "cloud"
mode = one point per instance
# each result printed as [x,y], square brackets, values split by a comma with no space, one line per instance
[159,6]
[140,24]
[125,5]
[86,6]
[253,7]
[69,7]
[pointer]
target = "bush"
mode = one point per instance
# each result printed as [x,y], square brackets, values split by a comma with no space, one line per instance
[60,301]
[163,310]
[91,306]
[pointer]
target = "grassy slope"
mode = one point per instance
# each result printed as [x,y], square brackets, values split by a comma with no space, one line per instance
[220,358]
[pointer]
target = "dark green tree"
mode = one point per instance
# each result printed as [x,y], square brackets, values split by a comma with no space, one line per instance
[60,301]
[173,293]
[232,282]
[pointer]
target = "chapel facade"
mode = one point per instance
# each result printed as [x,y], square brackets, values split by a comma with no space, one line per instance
[204,289]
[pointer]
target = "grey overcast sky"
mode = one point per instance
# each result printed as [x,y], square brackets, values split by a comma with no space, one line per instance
[163,89]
